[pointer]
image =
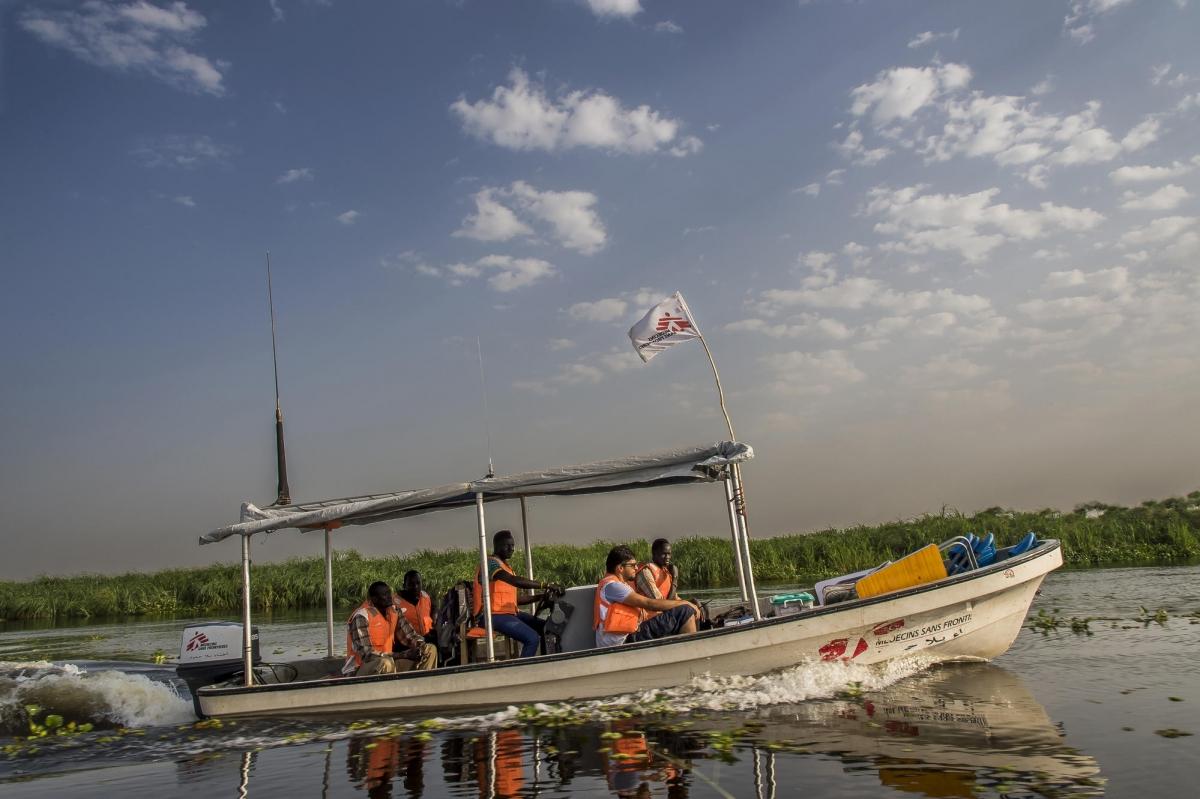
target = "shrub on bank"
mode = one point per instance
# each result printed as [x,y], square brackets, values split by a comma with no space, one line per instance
[1155,532]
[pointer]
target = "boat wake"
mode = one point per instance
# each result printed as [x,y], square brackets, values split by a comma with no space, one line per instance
[97,694]
[808,681]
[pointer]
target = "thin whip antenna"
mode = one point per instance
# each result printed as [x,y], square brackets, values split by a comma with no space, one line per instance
[491,472]
[284,496]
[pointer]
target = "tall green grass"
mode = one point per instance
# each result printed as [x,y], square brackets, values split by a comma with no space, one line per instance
[1156,532]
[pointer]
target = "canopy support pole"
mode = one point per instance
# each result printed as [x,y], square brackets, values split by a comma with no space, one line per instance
[485,585]
[737,538]
[329,590]
[739,497]
[525,535]
[247,643]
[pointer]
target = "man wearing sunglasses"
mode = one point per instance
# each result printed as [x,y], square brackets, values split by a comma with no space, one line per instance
[619,614]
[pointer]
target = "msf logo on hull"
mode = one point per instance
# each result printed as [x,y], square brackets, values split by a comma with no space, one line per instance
[672,324]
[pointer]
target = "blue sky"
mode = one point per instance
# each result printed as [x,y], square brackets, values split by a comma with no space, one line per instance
[945,254]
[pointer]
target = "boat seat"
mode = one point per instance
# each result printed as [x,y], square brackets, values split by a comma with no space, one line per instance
[579,635]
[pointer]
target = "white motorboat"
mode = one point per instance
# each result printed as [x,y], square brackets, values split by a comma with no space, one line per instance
[972,615]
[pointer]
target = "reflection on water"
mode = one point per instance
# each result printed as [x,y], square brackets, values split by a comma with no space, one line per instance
[963,731]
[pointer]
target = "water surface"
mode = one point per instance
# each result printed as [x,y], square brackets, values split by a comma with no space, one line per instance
[1063,713]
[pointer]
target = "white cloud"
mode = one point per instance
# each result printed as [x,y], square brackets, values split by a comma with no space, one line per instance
[900,92]
[504,272]
[807,373]
[304,173]
[968,224]
[1066,308]
[834,177]
[1159,231]
[1144,133]
[179,151]
[1158,73]
[276,11]
[942,371]
[1079,22]
[807,325]
[928,37]
[570,216]
[615,8]
[667,26]
[811,189]
[1164,199]
[1043,87]
[132,37]
[348,217]
[1109,281]
[1146,173]
[492,220]
[853,149]
[522,116]
[184,200]
[606,310]
[560,344]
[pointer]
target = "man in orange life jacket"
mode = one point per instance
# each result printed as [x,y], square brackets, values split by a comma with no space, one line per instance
[658,579]
[414,622]
[506,618]
[370,631]
[619,613]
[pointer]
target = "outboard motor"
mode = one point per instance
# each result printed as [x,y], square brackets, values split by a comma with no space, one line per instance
[211,652]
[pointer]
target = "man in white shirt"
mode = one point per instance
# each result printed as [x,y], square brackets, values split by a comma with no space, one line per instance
[619,614]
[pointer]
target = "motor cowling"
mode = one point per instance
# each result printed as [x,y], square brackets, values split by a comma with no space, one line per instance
[211,652]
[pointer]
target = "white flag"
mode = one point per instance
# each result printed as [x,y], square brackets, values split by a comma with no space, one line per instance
[665,325]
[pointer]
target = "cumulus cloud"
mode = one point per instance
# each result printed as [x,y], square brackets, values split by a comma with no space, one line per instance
[1111,281]
[801,373]
[929,37]
[1166,198]
[1079,24]
[304,173]
[667,26]
[615,309]
[348,217]
[569,217]
[1146,173]
[132,37]
[933,112]
[522,116]
[181,151]
[971,225]
[504,273]
[184,200]
[626,9]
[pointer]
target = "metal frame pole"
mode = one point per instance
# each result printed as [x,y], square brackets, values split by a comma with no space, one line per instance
[735,530]
[485,585]
[247,643]
[329,590]
[739,495]
[525,535]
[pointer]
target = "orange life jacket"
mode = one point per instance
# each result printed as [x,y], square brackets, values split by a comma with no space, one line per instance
[661,578]
[382,627]
[504,596]
[615,617]
[417,615]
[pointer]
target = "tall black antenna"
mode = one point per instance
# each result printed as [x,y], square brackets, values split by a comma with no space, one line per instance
[491,472]
[285,493]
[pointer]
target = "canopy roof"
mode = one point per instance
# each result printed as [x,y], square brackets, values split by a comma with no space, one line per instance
[702,464]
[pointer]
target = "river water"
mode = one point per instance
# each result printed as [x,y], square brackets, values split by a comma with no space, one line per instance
[1098,710]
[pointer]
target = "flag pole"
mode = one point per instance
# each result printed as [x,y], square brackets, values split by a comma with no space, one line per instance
[736,489]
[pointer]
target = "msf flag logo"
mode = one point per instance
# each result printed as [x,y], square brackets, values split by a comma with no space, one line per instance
[665,325]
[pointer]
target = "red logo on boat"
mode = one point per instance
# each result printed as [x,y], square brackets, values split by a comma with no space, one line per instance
[198,640]
[888,626]
[837,649]
[672,323]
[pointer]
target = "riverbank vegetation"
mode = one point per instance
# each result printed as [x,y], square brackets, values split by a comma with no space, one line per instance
[1155,532]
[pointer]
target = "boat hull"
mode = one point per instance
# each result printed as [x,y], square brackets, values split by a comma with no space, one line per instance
[975,616]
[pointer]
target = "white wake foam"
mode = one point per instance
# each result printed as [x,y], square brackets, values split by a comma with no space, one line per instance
[115,697]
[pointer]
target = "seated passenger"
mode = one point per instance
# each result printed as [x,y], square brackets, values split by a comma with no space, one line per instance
[503,585]
[413,623]
[658,579]
[619,613]
[369,634]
